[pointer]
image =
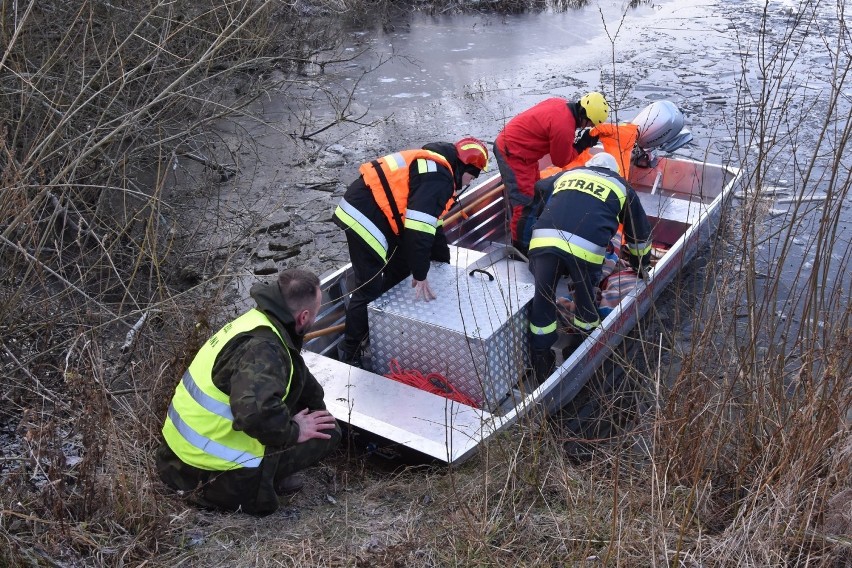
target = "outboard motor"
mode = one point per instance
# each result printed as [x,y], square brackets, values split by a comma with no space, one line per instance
[660,129]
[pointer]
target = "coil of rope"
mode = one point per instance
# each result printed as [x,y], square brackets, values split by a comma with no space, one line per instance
[434,383]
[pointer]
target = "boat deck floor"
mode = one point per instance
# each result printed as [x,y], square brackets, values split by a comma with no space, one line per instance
[673,207]
[419,420]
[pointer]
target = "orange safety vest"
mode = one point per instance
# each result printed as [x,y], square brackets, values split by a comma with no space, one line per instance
[395,169]
[617,139]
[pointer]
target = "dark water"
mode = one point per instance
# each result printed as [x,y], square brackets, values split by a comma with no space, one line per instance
[450,76]
[760,86]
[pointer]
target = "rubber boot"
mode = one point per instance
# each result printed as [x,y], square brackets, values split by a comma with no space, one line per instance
[288,485]
[349,357]
[543,364]
[366,358]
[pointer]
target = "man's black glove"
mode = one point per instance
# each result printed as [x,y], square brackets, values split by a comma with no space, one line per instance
[585,141]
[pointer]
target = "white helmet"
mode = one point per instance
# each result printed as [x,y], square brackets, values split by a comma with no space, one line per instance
[659,123]
[604,160]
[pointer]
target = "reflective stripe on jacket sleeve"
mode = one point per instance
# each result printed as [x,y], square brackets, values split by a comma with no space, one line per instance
[419,221]
[363,227]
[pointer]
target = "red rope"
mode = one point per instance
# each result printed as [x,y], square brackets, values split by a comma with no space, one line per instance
[434,383]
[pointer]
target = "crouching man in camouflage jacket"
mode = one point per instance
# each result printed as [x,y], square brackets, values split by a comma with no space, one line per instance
[248,413]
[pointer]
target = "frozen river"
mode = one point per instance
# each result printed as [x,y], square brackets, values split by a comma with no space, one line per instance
[761,87]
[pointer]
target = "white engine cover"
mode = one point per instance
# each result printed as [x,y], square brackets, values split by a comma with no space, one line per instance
[659,123]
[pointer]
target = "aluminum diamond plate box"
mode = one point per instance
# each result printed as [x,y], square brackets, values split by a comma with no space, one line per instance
[474,333]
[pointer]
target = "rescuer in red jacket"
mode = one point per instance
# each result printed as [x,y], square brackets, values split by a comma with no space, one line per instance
[547,128]
[392,215]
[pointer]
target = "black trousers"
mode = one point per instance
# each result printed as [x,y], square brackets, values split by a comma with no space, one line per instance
[547,269]
[372,279]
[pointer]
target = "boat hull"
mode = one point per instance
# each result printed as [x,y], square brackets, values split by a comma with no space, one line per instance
[685,201]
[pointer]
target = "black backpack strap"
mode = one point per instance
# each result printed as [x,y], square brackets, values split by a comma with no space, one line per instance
[389,194]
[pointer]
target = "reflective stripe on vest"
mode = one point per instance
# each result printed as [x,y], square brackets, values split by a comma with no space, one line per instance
[574,245]
[366,229]
[596,184]
[199,425]
[396,168]
[426,166]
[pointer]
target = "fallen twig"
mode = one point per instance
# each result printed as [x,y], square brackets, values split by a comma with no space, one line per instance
[225,172]
[131,335]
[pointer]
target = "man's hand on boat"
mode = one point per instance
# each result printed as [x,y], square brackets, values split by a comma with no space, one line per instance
[312,424]
[422,290]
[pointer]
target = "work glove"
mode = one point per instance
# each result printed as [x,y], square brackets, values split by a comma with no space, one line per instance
[585,140]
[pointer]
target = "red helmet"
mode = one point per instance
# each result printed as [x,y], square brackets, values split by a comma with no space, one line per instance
[473,152]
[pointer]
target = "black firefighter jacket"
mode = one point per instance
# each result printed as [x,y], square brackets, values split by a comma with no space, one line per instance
[428,192]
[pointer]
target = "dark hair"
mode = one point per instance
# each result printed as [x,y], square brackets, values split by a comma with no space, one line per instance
[298,287]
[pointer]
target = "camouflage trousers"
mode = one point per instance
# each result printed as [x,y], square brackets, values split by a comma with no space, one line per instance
[251,490]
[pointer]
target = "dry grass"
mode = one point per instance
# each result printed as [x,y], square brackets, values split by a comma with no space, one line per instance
[743,458]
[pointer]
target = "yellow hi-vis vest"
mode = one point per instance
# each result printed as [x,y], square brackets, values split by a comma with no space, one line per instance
[199,426]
